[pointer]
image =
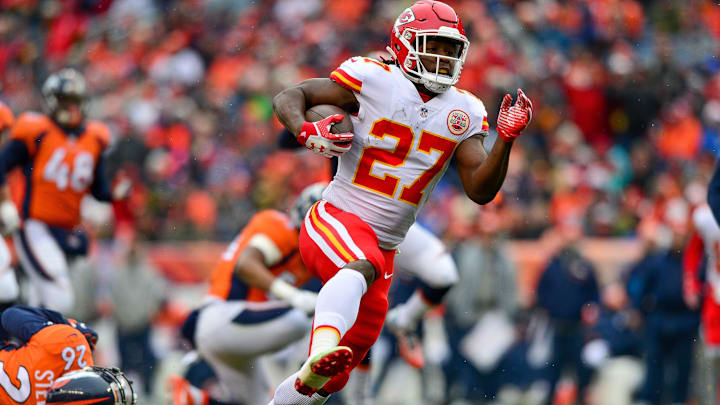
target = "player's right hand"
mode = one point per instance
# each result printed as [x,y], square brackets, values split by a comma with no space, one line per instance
[301,299]
[317,137]
[305,301]
[9,218]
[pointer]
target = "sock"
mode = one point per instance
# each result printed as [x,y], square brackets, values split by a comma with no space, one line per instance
[323,338]
[337,307]
[285,394]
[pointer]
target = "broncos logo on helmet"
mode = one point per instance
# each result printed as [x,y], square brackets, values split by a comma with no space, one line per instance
[92,385]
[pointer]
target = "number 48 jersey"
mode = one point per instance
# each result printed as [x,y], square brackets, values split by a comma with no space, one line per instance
[402,145]
[61,168]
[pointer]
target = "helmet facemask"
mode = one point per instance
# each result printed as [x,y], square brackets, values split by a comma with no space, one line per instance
[121,386]
[416,42]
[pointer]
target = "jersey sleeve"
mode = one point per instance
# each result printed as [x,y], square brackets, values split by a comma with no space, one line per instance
[478,115]
[23,322]
[28,128]
[276,237]
[356,71]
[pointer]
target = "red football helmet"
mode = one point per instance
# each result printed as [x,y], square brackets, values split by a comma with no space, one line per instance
[422,21]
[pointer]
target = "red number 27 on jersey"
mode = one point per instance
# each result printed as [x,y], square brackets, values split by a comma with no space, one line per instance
[387,184]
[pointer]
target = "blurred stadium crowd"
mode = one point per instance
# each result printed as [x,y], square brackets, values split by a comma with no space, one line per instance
[624,140]
[627,95]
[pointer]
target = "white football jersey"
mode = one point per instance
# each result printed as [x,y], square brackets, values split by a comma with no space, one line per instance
[402,145]
[709,230]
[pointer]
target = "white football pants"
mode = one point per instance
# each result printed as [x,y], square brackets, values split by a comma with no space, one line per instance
[232,335]
[46,266]
[423,255]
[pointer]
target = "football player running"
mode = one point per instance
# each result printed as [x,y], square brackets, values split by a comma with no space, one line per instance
[410,120]
[47,359]
[254,306]
[422,255]
[9,222]
[61,154]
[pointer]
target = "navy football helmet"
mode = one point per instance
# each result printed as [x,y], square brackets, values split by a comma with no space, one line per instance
[307,198]
[92,385]
[65,94]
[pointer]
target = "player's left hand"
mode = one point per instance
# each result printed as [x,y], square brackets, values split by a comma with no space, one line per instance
[513,119]
[9,218]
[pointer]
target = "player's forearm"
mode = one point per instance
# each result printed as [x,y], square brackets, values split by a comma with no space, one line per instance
[254,273]
[289,107]
[490,175]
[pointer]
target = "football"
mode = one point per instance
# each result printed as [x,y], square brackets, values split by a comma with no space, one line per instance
[321,111]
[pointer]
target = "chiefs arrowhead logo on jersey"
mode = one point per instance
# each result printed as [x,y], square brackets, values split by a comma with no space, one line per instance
[458,122]
[406,17]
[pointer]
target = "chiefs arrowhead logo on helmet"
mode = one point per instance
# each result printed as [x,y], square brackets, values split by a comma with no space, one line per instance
[406,17]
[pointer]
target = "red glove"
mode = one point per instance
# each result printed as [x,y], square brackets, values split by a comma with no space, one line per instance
[317,137]
[513,119]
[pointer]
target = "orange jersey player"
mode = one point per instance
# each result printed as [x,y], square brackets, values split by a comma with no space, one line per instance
[254,306]
[50,346]
[53,363]
[276,238]
[61,154]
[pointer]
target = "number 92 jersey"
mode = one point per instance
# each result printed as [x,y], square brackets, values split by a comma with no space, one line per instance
[402,145]
[28,371]
[61,167]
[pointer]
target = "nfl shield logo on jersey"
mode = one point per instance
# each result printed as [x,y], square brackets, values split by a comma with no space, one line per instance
[458,122]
